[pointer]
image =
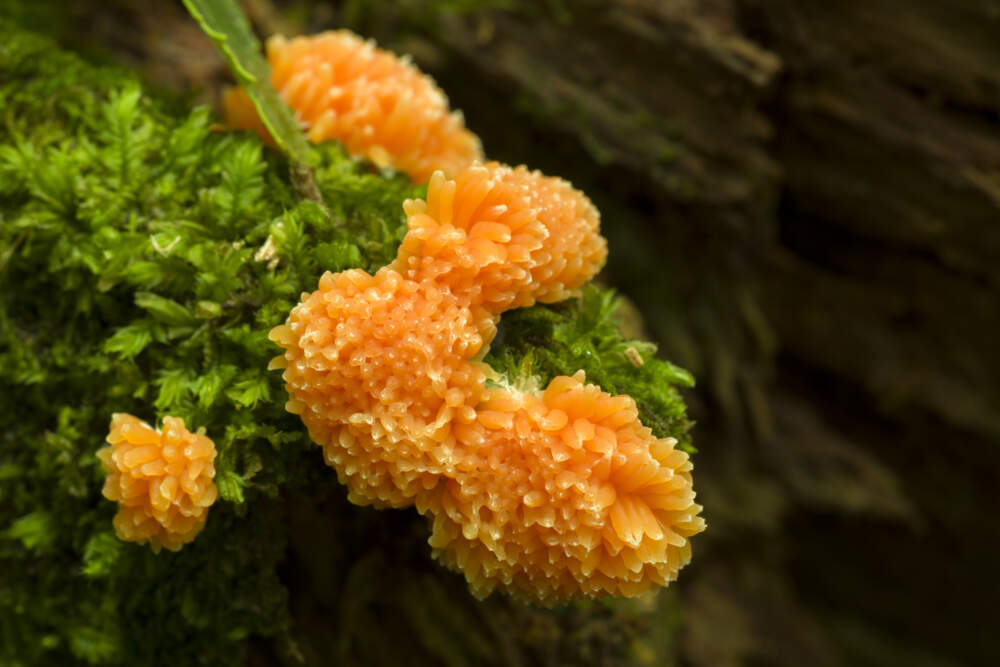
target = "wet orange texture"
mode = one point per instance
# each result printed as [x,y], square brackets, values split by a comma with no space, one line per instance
[378,105]
[549,495]
[162,481]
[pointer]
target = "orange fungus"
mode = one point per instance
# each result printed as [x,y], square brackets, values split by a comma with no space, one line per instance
[549,495]
[378,105]
[162,480]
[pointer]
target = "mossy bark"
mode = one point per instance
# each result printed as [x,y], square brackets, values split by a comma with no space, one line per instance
[144,255]
[802,199]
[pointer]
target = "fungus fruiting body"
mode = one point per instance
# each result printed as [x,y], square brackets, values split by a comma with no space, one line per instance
[377,105]
[162,480]
[549,495]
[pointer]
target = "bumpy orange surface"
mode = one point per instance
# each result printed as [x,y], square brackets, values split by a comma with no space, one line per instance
[379,106]
[163,481]
[548,495]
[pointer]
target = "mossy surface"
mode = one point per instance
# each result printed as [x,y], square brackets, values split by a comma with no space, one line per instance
[144,255]
[545,341]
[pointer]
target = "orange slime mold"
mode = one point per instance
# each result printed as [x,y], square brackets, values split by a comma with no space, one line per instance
[161,480]
[379,106]
[550,495]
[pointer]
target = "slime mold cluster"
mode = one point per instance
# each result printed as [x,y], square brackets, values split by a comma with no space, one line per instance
[162,480]
[379,106]
[548,495]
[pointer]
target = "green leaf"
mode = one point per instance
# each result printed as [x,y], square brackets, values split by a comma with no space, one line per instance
[338,255]
[225,23]
[249,391]
[675,374]
[207,310]
[100,554]
[92,644]
[164,310]
[127,134]
[35,531]
[174,385]
[230,486]
[146,274]
[211,382]
[130,340]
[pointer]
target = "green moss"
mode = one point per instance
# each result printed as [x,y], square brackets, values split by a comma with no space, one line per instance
[143,258]
[537,344]
[129,282]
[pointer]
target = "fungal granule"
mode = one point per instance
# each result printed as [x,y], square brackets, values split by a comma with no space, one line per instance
[377,105]
[162,480]
[550,495]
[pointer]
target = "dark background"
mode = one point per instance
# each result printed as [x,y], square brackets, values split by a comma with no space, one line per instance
[803,200]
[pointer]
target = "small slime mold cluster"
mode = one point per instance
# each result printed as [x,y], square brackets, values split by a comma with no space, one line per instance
[377,105]
[162,480]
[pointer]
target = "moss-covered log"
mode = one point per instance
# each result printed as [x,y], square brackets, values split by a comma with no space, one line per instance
[144,255]
[801,197]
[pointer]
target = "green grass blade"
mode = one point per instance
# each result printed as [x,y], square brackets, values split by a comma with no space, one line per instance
[227,25]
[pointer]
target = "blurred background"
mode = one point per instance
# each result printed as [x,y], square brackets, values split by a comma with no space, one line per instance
[802,199]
